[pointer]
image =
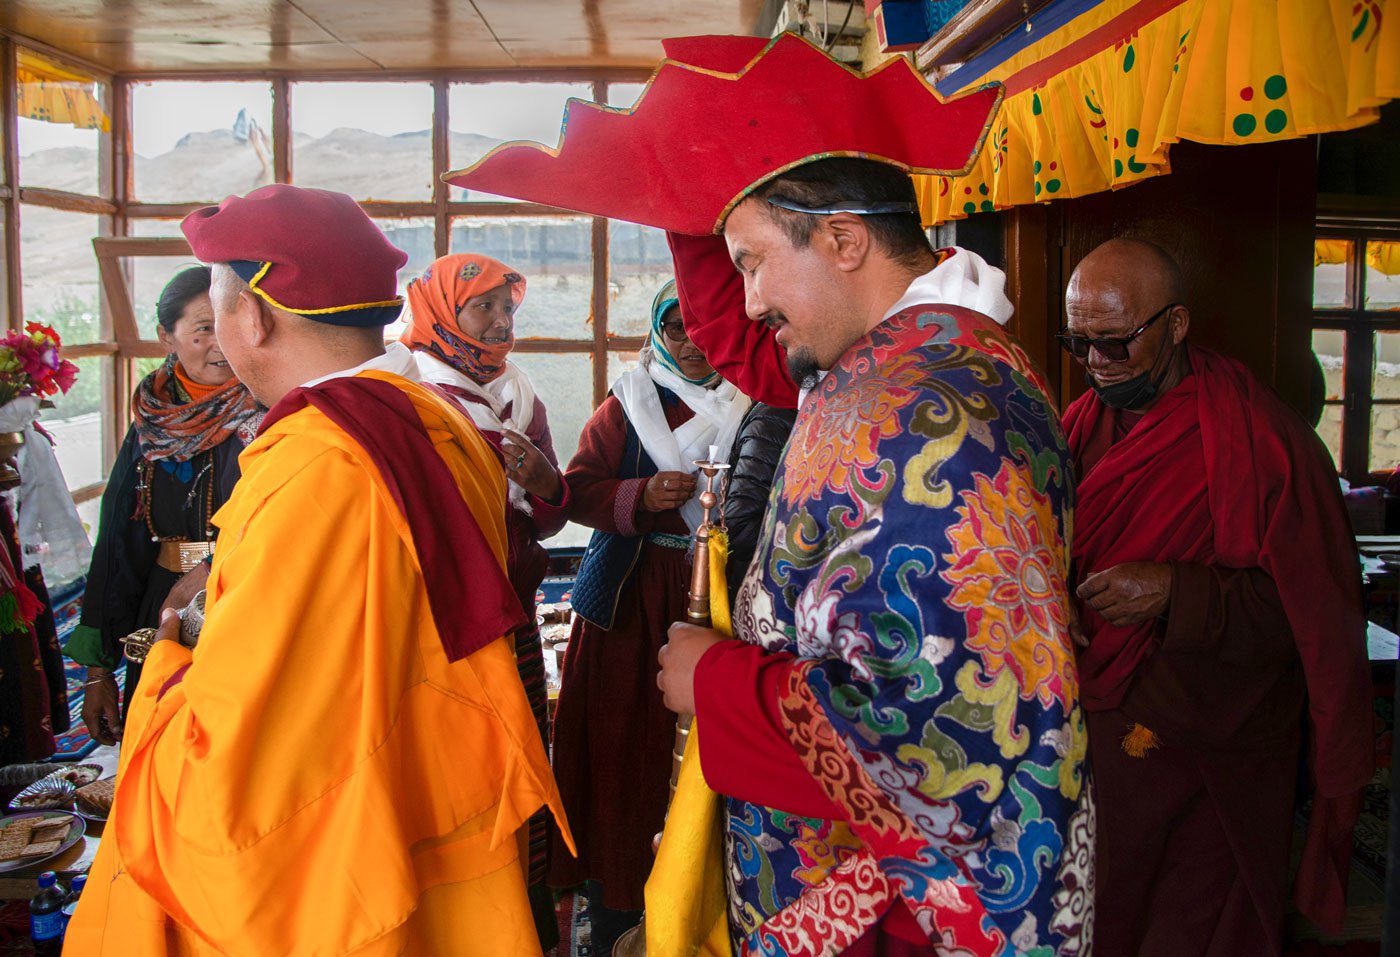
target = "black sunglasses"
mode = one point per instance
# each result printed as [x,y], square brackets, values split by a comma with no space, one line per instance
[1114,348]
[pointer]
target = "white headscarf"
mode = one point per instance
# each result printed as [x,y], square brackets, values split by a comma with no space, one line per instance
[718,414]
[512,389]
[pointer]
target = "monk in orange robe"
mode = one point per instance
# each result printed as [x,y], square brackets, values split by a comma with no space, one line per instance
[345,761]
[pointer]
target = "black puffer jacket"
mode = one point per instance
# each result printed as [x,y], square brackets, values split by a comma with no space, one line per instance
[757,453]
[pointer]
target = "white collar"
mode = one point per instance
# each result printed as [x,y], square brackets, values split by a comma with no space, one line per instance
[961,279]
[396,359]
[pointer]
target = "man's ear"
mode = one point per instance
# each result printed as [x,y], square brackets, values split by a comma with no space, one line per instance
[846,237]
[255,318]
[1181,324]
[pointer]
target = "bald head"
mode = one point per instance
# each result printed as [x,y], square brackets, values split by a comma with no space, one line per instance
[272,350]
[1141,273]
[1129,289]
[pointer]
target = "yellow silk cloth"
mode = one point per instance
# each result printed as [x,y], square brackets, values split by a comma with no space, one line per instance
[1381,255]
[323,781]
[54,93]
[685,897]
[1232,72]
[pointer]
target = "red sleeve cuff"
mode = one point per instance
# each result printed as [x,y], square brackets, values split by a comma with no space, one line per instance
[625,504]
[744,751]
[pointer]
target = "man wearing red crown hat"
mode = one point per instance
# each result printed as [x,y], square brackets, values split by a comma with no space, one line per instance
[345,761]
[896,724]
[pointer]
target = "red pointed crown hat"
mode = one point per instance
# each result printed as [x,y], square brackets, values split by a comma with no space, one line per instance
[313,252]
[724,114]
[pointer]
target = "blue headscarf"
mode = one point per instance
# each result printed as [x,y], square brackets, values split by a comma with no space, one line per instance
[660,345]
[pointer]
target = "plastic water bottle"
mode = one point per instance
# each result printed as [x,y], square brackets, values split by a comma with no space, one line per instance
[46,917]
[75,890]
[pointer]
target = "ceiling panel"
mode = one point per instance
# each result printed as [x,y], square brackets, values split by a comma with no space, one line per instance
[221,36]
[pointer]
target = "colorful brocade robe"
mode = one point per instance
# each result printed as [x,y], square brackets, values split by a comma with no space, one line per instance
[915,559]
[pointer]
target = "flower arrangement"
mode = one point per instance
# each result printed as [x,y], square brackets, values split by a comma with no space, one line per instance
[30,364]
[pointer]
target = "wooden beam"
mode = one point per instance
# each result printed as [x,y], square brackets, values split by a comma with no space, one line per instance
[122,165]
[88,492]
[399,208]
[508,209]
[442,219]
[88,349]
[281,130]
[975,27]
[62,199]
[161,210]
[38,46]
[553,345]
[110,253]
[9,115]
[599,312]
[620,74]
[119,246]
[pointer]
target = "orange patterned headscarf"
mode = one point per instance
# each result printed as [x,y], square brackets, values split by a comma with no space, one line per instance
[434,299]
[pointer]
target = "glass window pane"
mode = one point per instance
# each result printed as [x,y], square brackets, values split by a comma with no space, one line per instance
[200,141]
[371,140]
[564,382]
[1385,377]
[619,363]
[147,275]
[88,514]
[1385,438]
[1330,430]
[155,227]
[140,368]
[639,265]
[1329,345]
[481,116]
[1383,275]
[554,254]
[624,94]
[61,110]
[75,422]
[1332,273]
[415,237]
[60,271]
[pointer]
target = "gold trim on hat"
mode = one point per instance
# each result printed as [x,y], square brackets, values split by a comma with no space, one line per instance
[253,285]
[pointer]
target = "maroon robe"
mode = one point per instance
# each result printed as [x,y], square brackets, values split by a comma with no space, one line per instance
[1221,480]
[612,733]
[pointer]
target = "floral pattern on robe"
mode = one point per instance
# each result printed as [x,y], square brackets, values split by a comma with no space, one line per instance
[915,558]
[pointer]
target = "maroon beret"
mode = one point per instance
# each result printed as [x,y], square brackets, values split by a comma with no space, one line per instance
[308,251]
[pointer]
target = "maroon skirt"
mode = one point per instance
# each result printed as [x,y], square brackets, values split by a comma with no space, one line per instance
[613,736]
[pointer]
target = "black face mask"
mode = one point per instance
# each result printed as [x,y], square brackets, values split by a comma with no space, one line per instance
[1137,392]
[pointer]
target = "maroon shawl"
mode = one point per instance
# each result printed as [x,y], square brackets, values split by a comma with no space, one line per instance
[472,601]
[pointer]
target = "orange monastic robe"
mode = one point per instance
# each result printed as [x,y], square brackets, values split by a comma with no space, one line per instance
[321,780]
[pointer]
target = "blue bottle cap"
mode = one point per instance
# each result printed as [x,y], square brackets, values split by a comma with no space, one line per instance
[47,879]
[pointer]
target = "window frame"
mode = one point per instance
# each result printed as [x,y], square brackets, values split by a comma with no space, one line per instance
[119,211]
[1359,326]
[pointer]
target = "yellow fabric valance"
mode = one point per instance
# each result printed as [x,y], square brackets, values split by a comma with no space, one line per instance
[54,93]
[1381,255]
[1096,103]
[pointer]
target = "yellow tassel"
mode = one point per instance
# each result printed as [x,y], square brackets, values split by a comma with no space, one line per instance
[1139,741]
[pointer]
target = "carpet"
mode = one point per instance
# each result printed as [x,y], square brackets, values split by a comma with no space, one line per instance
[1372,833]
[76,743]
[575,933]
